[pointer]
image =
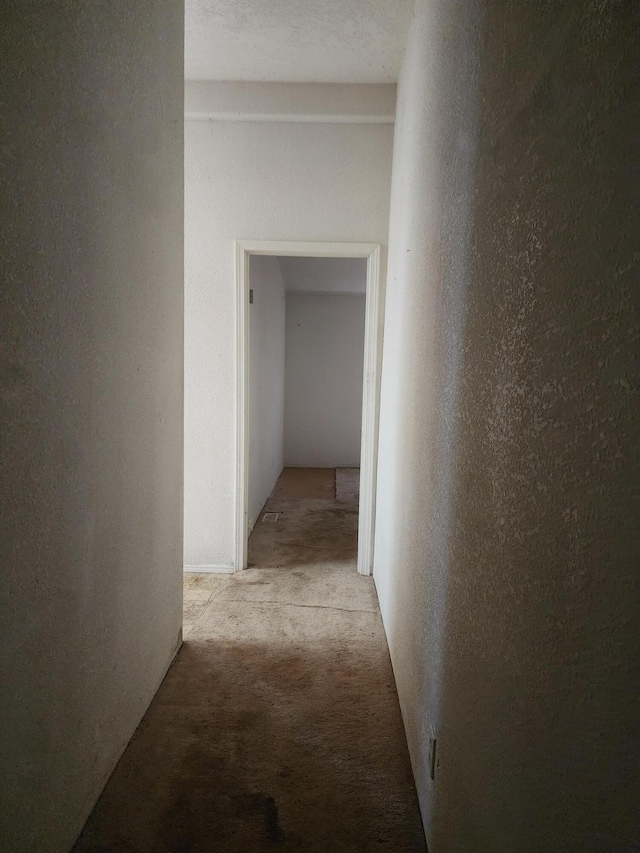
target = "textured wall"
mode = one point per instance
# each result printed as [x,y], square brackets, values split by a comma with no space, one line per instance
[266,380]
[323,380]
[90,395]
[256,181]
[504,552]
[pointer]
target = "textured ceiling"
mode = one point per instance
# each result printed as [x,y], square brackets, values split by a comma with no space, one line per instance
[305,41]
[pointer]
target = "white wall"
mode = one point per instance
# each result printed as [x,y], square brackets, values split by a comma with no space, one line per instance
[266,380]
[324,275]
[267,181]
[504,556]
[323,380]
[91,367]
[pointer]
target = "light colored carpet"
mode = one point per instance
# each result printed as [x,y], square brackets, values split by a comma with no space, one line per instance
[308,533]
[301,483]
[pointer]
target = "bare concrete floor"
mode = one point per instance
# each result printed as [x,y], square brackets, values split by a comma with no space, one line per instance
[278,726]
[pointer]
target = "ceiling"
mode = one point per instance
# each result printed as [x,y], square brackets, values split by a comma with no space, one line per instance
[324,275]
[296,41]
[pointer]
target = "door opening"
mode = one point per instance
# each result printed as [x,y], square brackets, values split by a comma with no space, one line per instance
[247,499]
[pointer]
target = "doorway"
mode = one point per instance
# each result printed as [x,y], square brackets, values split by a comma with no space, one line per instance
[292,480]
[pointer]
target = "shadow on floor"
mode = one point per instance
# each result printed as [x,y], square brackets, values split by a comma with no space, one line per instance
[252,745]
[278,725]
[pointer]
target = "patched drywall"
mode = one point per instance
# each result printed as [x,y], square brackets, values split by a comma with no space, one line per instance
[504,559]
[91,397]
[323,379]
[266,380]
[256,181]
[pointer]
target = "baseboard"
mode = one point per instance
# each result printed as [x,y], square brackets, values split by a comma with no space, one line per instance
[226,569]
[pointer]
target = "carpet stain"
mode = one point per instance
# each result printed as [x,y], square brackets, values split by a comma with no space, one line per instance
[272,824]
[277,726]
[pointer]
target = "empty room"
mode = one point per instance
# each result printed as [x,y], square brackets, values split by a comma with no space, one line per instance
[306,360]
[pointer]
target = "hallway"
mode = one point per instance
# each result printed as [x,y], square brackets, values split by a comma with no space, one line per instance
[278,723]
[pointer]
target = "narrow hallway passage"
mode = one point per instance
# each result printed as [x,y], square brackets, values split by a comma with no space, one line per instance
[278,724]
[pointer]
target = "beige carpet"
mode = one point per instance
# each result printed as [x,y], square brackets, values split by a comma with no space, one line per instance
[348,486]
[301,483]
[278,727]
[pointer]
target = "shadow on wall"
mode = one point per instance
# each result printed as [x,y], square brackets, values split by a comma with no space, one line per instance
[537,705]
[511,607]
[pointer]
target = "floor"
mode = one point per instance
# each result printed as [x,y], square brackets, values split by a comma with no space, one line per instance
[278,726]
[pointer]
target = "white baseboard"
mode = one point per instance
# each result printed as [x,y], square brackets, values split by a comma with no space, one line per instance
[226,570]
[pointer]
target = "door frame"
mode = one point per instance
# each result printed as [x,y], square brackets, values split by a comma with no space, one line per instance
[374,321]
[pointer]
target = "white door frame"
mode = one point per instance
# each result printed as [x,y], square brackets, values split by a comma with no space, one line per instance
[370,393]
